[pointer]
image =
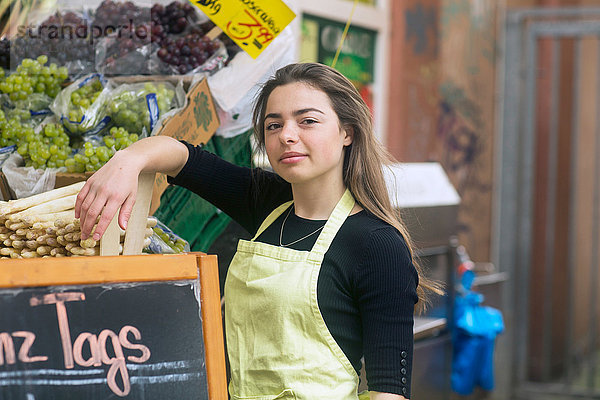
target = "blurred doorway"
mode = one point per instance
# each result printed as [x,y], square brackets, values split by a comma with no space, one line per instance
[548,221]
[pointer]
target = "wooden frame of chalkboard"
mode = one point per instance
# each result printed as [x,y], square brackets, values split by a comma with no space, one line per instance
[141,327]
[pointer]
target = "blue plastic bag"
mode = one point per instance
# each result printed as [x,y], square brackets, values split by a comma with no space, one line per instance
[476,327]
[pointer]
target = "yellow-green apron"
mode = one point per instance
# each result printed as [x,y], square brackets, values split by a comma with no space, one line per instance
[278,344]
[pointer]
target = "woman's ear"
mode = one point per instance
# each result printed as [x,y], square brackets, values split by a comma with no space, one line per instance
[348,135]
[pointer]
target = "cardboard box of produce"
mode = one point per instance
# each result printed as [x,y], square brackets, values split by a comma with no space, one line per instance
[195,123]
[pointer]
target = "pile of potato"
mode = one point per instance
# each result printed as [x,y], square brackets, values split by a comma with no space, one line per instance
[44,225]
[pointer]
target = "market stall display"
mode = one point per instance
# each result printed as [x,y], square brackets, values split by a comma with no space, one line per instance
[139,61]
[121,38]
[44,225]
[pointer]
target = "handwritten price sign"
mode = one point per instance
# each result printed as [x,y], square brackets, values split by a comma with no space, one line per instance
[252,24]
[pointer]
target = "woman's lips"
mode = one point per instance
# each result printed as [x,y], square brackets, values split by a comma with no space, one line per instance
[292,157]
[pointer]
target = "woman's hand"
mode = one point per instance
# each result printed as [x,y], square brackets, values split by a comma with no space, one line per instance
[112,186]
[385,396]
[115,184]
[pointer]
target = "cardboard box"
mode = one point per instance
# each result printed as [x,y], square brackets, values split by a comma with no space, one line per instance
[195,123]
[68,178]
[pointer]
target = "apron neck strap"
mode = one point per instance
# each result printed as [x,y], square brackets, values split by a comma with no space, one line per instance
[272,217]
[332,226]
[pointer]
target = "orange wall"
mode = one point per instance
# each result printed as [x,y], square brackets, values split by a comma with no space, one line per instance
[442,101]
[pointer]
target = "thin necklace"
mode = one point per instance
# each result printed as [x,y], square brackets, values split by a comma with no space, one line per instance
[295,241]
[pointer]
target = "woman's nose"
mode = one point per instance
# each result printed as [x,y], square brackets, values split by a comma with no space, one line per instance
[289,133]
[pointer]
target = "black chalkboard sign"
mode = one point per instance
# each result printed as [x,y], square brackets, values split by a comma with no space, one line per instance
[135,340]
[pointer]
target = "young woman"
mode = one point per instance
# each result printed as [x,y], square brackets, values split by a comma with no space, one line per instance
[328,278]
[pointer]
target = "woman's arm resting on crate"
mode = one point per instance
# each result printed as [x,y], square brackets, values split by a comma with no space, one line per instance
[115,184]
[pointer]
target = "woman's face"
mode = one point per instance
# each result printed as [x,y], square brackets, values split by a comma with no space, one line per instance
[303,138]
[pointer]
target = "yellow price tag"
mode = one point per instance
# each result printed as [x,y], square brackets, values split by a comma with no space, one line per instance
[252,24]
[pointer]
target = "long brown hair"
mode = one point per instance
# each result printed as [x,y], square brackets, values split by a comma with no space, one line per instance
[364,158]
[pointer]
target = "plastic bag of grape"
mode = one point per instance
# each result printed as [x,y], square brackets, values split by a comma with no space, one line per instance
[165,241]
[127,54]
[82,106]
[137,107]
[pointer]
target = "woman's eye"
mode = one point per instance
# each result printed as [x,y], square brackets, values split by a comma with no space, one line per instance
[309,121]
[272,126]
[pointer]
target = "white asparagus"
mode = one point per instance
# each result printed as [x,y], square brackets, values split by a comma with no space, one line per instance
[71,228]
[42,239]
[70,245]
[16,225]
[18,244]
[7,243]
[42,225]
[61,240]
[22,232]
[4,236]
[30,254]
[47,207]
[58,250]
[16,255]
[52,242]
[34,234]
[4,229]
[32,244]
[32,201]
[86,243]
[151,222]
[48,218]
[72,236]
[14,236]
[61,223]
[60,255]
[7,251]
[43,250]
[92,251]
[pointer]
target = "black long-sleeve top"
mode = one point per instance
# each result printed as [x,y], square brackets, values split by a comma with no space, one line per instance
[366,288]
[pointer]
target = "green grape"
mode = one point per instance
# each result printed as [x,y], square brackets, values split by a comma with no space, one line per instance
[129,108]
[80,100]
[40,150]
[31,77]
[102,153]
[109,141]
